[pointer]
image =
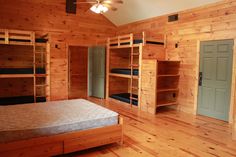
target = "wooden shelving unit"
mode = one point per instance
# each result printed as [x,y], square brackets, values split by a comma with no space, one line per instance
[40,60]
[159,84]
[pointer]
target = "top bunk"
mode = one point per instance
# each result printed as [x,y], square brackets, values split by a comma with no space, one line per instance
[135,39]
[20,37]
[16,37]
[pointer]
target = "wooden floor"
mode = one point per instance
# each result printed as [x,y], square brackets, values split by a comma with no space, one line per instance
[168,134]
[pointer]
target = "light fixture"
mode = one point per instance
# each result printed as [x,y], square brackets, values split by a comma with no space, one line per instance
[99,8]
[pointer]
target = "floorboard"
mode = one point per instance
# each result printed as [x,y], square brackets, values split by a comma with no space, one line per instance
[169,133]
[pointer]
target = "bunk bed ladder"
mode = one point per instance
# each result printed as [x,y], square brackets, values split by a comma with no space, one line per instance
[132,65]
[41,81]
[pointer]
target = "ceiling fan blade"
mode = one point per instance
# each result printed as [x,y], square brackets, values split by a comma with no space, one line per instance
[110,7]
[112,1]
[87,1]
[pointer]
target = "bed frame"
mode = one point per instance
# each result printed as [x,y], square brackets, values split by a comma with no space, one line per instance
[64,143]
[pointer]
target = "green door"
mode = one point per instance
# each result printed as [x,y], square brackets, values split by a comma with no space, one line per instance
[215,79]
[97,72]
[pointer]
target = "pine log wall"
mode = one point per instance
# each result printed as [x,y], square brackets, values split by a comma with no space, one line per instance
[49,16]
[211,22]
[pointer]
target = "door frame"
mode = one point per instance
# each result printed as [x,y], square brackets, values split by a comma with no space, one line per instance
[68,66]
[105,49]
[233,88]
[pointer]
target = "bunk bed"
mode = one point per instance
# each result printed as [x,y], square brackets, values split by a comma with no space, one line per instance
[25,58]
[57,127]
[124,61]
[134,39]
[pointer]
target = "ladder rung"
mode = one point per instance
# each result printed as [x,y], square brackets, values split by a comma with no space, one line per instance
[38,96]
[36,63]
[40,52]
[41,85]
[135,54]
[134,65]
[133,98]
[135,88]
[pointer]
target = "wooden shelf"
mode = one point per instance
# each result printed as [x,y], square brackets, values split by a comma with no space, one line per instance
[16,75]
[41,85]
[123,75]
[169,75]
[41,75]
[163,103]
[167,90]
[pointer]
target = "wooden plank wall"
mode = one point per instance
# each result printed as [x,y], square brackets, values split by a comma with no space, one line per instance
[48,16]
[211,22]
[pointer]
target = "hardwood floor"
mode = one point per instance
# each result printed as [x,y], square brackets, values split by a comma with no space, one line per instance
[168,134]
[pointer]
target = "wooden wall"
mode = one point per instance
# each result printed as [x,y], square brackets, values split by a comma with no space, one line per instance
[48,16]
[211,22]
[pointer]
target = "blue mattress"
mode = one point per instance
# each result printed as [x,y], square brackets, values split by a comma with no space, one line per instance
[125,97]
[21,71]
[124,71]
[138,41]
[20,100]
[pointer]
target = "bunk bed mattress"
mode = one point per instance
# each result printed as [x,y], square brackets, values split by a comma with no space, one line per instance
[22,71]
[125,97]
[124,71]
[27,121]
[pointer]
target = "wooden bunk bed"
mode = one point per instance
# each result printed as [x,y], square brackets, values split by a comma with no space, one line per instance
[124,61]
[24,65]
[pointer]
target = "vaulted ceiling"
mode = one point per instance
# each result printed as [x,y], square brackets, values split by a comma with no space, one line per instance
[135,10]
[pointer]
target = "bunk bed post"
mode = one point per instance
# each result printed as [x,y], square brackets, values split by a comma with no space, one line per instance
[139,75]
[131,40]
[6,37]
[48,72]
[131,80]
[144,38]
[34,69]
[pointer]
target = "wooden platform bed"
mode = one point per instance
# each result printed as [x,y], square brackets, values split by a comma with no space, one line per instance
[60,143]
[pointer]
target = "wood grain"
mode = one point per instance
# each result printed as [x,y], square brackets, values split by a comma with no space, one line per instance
[169,133]
[49,17]
[211,22]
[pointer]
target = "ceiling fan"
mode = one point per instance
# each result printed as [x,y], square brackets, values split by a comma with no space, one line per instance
[101,6]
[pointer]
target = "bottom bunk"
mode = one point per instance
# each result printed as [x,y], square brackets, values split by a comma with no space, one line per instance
[125,97]
[20,100]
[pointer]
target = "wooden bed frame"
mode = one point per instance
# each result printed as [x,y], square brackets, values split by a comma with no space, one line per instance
[64,143]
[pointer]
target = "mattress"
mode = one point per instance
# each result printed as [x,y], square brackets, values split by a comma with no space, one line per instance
[27,121]
[124,71]
[20,100]
[125,97]
[22,71]
[138,41]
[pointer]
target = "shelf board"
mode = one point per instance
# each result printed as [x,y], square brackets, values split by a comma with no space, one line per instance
[40,75]
[166,103]
[123,75]
[41,85]
[169,75]
[167,90]
[16,75]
